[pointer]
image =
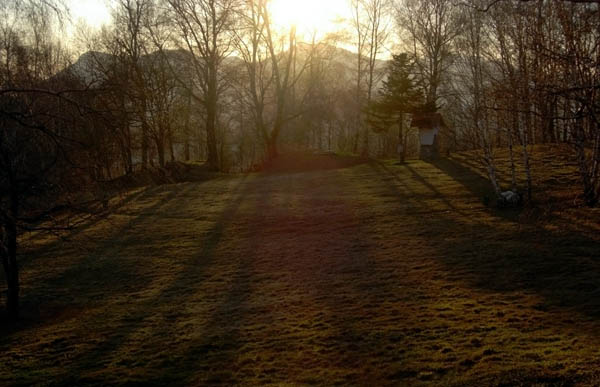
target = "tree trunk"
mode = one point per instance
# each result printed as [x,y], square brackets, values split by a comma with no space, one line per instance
[365,150]
[9,261]
[222,156]
[126,149]
[272,152]
[591,191]
[401,138]
[211,142]
[144,144]
[128,161]
[492,175]
[12,294]
[355,141]
[171,148]
[526,162]
[211,115]
[320,136]
[513,171]
[187,127]
[187,149]
[329,136]
[211,136]
[160,149]
[553,123]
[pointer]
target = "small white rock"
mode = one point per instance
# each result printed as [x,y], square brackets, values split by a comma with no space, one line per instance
[510,197]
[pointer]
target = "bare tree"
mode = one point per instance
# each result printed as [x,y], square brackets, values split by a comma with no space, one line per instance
[548,78]
[163,98]
[42,145]
[204,29]
[579,58]
[270,59]
[431,26]
[371,27]
[130,18]
[361,32]
[472,46]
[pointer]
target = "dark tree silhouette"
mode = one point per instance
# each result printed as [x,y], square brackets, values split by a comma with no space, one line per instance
[399,95]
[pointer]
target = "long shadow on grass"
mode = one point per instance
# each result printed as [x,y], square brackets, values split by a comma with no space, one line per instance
[430,187]
[310,274]
[172,298]
[478,185]
[211,359]
[336,286]
[340,279]
[89,273]
[29,258]
[97,272]
[90,280]
[239,330]
[563,269]
[213,356]
[475,183]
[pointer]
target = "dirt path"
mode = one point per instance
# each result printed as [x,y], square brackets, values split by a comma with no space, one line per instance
[371,274]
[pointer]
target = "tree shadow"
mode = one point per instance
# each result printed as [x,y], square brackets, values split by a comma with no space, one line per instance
[29,257]
[433,190]
[563,268]
[165,307]
[478,185]
[331,295]
[87,274]
[118,189]
[95,271]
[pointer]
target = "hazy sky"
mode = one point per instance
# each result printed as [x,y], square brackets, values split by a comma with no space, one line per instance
[308,15]
[305,14]
[93,12]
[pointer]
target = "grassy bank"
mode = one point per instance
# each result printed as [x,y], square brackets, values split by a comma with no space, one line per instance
[354,273]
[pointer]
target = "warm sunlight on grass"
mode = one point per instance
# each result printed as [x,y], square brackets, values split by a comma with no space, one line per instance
[352,273]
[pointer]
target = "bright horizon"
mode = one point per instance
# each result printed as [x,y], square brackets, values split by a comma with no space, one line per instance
[311,17]
[94,13]
[306,15]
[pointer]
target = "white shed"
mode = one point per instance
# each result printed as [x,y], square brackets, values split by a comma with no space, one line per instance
[429,125]
[427,136]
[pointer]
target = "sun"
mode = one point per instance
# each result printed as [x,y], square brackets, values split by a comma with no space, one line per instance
[308,16]
[93,12]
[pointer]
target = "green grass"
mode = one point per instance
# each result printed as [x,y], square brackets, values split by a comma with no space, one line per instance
[358,273]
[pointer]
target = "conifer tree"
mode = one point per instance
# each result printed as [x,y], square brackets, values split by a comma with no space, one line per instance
[399,96]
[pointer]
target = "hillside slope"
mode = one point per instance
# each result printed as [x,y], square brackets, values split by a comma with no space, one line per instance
[359,273]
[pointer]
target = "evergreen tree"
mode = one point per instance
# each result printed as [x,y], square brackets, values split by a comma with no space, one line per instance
[399,95]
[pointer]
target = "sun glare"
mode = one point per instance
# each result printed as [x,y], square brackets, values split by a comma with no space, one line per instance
[93,12]
[309,15]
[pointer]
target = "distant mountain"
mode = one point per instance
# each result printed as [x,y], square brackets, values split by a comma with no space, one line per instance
[92,67]
[343,63]
[89,67]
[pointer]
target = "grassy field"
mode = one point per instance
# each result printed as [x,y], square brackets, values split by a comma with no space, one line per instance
[327,271]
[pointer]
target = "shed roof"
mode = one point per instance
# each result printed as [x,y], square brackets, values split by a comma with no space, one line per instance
[428,121]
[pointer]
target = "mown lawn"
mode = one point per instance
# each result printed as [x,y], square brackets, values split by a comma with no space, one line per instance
[352,274]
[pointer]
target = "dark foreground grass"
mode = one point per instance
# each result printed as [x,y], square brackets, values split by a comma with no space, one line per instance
[359,274]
